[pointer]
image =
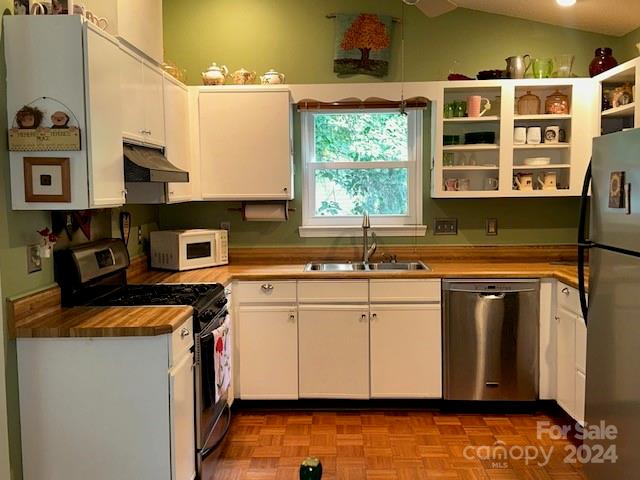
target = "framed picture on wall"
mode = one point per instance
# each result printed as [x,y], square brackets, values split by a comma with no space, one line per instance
[47,179]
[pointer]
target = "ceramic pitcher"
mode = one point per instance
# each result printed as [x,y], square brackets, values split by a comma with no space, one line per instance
[524,181]
[548,181]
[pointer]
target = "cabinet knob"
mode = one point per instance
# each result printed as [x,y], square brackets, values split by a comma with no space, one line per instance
[292,317]
[285,189]
[184,332]
[374,316]
[565,290]
[227,291]
[267,287]
[363,317]
[557,318]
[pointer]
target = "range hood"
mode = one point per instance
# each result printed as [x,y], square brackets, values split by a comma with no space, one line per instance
[145,164]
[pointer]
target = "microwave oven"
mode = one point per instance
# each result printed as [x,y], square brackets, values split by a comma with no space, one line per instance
[189,249]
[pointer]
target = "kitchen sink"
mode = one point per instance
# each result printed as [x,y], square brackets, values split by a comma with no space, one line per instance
[362,267]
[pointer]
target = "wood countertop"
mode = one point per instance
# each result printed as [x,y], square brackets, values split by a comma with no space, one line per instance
[565,273]
[40,316]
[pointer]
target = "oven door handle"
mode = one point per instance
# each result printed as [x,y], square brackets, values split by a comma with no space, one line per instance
[205,452]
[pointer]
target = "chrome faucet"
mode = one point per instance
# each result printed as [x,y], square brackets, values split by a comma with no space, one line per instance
[367,251]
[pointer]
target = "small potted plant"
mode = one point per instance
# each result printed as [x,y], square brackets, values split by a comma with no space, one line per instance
[47,240]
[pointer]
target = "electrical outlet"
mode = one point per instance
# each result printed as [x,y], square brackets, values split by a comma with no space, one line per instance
[34,260]
[492,226]
[446,226]
[139,235]
[225,226]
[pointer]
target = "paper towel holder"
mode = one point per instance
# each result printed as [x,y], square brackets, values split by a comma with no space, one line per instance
[243,207]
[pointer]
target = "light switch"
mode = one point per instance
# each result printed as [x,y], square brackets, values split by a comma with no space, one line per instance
[492,226]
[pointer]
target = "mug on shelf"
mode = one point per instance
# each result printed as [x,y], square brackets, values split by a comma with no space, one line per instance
[464,184]
[524,181]
[552,134]
[474,106]
[534,135]
[43,7]
[451,184]
[549,181]
[491,183]
[519,135]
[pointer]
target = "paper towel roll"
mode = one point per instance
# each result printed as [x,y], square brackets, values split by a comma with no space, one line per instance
[265,212]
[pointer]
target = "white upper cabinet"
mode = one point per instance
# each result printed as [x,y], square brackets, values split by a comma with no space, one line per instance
[142,100]
[79,76]
[245,143]
[177,151]
[140,24]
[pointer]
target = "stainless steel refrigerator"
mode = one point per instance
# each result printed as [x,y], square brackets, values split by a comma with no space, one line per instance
[613,317]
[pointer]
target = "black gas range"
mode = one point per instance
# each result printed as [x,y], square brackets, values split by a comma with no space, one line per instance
[94,274]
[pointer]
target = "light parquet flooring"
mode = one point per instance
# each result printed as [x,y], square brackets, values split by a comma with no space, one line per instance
[385,445]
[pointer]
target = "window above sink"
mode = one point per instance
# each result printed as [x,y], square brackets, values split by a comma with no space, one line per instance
[357,161]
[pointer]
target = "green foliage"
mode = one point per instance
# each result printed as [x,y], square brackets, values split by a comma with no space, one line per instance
[361,137]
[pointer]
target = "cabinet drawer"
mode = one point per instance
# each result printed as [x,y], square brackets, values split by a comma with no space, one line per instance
[405,291]
[181,340]
[568,298]
[333,291]
[266,292]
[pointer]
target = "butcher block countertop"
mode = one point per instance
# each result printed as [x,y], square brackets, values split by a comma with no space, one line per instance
[565,273]
[40,315]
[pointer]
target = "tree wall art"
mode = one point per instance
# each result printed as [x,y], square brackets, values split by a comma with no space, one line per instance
[363,44]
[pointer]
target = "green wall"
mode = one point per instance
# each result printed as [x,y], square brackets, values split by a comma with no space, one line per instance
[294,37]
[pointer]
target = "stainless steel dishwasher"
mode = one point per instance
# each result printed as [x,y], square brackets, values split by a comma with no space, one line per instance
[491,339]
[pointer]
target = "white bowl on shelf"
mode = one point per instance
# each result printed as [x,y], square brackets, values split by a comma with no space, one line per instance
[537,161]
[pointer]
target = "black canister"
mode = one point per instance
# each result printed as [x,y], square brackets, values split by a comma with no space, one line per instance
[310,469]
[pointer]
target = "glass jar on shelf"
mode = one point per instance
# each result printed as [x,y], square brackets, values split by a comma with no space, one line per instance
[529,104]
[557,104]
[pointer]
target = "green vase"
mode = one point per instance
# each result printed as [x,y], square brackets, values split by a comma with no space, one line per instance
[311,469]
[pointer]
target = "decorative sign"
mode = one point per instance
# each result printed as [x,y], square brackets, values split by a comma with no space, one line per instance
[34,130]
[44,139]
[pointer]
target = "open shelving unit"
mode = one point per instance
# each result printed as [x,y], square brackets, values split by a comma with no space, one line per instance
[620,117]
[486,165]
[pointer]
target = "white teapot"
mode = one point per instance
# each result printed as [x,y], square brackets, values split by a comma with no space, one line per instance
[215,75]
[272,78]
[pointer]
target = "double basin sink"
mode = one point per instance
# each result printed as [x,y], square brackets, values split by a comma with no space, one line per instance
[366,267]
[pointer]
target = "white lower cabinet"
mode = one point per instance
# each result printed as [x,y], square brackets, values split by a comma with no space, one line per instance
[353,339]
[406,351]
[566,363]
[182,410]
[268,357]
[107,408]
[333,346]
[571,352]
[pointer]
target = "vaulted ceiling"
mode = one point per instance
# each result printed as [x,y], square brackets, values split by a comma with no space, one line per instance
[611,17]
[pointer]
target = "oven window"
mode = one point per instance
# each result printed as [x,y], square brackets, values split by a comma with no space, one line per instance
[198,250]
[105,258]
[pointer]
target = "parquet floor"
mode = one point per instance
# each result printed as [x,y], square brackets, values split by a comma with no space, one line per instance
[386,445]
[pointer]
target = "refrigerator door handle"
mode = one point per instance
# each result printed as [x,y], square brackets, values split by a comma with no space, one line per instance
[627,198]
[583,243]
